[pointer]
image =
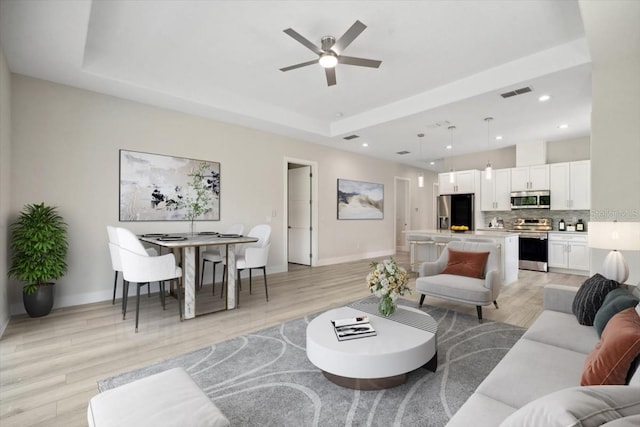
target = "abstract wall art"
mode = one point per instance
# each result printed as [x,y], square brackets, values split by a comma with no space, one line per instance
[360,200]
[155,187]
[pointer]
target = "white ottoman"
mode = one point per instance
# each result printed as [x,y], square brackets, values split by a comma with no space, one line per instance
[168,399]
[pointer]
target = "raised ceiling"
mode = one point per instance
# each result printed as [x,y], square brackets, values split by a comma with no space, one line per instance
[443,62]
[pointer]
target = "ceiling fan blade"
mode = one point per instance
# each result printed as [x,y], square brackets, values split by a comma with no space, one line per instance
[300,65]
[331,76]
[362,62]
[312,47]
[348,37]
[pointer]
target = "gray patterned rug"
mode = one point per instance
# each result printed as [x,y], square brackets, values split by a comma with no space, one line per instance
[264,378]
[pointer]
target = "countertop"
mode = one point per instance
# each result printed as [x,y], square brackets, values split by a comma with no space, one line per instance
[492,233]
[497,229]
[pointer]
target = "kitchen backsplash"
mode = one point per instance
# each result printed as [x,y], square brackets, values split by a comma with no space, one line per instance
[570,217]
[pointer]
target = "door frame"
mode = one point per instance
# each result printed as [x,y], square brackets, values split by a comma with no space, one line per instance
[407,210]
[314,209]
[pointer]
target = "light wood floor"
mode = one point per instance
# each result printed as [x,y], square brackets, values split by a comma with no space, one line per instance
[49,366]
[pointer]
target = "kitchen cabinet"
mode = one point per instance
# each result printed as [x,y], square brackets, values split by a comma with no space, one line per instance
[530,178]
[464,182]
[569,251]
[570,185]
[495,194]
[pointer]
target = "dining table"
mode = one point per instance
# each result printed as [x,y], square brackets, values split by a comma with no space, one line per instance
[189,245]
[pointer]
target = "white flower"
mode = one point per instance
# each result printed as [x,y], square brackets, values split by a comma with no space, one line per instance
[380,268]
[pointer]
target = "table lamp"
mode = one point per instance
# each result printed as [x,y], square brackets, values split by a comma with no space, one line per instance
[617,236]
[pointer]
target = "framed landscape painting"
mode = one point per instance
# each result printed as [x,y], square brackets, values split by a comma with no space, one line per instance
[360,200]
[155,187]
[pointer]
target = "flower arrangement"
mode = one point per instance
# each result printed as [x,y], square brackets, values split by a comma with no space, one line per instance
[388,281]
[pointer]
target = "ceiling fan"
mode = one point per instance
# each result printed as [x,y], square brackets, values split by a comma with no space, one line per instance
[330,52]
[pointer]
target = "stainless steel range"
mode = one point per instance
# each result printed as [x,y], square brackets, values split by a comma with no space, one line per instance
[533,242]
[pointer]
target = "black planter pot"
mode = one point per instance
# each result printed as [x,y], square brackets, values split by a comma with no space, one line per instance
[40,302]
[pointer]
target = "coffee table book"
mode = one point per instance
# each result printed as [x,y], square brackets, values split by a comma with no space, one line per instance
[353,328]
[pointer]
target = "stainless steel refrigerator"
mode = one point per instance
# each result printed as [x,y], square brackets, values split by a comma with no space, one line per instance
[456,209]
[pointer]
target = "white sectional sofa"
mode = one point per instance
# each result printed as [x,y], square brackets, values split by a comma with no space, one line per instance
[548,358]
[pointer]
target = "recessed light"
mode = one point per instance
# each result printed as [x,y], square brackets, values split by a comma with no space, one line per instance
[364,144]
[449,147]
[544,98]
[499,138]
[563,126]
[432,163]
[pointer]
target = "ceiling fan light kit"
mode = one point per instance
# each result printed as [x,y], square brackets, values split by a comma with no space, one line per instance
[330,52]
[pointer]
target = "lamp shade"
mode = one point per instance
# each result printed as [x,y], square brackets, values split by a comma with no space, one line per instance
[621,236]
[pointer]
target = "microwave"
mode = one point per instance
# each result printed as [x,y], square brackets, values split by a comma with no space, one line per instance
[531,199]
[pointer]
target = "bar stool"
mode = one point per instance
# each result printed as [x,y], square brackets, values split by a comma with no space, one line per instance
[415,242]
[441,242]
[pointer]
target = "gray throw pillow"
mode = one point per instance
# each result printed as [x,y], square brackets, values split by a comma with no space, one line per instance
[616,300]
[590,297]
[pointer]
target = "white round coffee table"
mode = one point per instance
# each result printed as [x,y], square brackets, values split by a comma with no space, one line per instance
[374,362]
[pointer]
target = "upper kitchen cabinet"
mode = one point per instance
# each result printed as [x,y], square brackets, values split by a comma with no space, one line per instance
[463,182]
[496,192]
[530,178]
[570,185]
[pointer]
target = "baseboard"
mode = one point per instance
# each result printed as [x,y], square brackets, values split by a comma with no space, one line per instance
[356,257]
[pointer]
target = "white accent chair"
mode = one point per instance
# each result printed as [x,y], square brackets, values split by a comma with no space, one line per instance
[116,264]
[141,268]
[467,290]
[254,255]
[217,255]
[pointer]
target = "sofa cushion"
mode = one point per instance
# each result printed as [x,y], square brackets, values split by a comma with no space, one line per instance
[530,370]
[617,300]
[459,288]
[590,297]
[480,411]
[562,330]
[578,406]
[631,421]
[610,361]
[465,263]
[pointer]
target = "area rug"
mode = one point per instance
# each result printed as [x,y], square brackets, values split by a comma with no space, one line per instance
[265,379]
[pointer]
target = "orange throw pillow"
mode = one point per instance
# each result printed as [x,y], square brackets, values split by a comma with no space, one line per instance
[463,263]
[610,361]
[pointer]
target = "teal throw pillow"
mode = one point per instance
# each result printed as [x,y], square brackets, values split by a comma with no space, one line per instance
[616,300]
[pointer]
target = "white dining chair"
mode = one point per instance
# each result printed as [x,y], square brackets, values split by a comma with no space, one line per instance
[217,254]
[254,256]
[116,264]
[141,268]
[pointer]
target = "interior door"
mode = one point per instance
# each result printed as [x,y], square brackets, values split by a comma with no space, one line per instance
[299,215]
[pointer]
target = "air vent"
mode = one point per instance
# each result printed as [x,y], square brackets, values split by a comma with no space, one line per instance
[440,124]
[520,91]
[350,137]
[403,152]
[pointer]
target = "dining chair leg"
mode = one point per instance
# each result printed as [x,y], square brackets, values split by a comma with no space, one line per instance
[179,298]
[213,280]
[224,280]
[162,300]
[264,273]
[115,286]
[125,299]
[138,304]
[250,281]
[202,272]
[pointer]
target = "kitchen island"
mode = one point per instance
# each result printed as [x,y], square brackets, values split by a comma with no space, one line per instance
[507,241]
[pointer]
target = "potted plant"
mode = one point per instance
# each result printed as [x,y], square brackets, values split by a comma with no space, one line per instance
[39,249]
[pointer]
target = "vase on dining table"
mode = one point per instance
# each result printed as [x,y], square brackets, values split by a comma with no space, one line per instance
[386,306]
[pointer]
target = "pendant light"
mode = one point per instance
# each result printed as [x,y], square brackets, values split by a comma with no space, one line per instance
[452,174]
[421,175]
[487,170]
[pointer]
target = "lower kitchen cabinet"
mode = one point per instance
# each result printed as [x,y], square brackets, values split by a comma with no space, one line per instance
[569,252]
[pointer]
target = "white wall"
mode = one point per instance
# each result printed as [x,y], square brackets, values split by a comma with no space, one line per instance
[614,42]
[5,185]
[65,153]
[569,150]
